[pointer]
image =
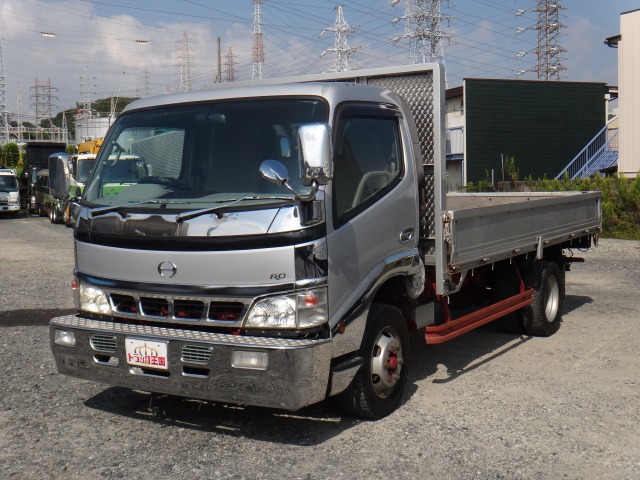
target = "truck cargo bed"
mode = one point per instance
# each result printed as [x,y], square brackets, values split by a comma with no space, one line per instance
[484,228]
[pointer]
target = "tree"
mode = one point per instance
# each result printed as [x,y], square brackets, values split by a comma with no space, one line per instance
[10,155]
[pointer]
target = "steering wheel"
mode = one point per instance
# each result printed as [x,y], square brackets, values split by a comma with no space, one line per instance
[164,181]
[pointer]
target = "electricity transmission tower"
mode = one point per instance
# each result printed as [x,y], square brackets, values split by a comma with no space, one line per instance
[43,95]
[4,121]
[341,47]
[258,47]
[548,52]
[86,87]
[423,21]
[230,64]
[184,58]
[147,82]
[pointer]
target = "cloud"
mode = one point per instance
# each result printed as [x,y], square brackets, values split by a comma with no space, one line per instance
[588,58]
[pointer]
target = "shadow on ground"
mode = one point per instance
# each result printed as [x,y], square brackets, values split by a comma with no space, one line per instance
[32,317]
[315,424]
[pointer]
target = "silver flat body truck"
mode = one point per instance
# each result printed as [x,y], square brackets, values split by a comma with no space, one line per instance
[274,244]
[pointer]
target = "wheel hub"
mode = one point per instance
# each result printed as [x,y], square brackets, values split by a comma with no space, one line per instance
[386,362]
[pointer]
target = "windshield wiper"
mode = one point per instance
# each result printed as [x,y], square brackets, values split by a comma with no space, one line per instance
[96,212]
[181,217]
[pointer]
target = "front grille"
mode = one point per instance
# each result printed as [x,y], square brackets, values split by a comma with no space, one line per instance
[103,343]
[188,309]
[124,303]
[196,353]
[171,309]
[226,311]
[154,307]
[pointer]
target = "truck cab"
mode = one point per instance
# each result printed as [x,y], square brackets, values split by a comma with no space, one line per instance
[9,192]
[273,244]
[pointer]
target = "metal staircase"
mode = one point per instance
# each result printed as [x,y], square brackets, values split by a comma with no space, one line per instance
[600,154]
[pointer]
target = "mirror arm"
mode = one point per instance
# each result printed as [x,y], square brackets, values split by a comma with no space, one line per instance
[312,193]
[307,198]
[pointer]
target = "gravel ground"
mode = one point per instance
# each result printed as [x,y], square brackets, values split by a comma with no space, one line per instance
[484,406]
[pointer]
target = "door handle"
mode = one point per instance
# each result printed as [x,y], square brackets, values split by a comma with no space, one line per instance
[406,235]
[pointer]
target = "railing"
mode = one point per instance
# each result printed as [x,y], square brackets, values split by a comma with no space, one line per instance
[600,153]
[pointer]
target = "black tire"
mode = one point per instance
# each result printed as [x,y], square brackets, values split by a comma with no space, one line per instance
[377,388]
[543,317]
[54,215]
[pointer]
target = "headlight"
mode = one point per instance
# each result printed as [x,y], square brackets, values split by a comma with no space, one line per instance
[297,310]
[91,299]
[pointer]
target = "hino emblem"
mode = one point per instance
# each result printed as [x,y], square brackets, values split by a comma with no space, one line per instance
[167,269]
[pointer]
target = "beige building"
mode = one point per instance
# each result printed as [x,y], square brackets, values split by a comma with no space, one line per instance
[628,45]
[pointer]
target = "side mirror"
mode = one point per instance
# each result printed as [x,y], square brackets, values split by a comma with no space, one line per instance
[274,171]
[315,142]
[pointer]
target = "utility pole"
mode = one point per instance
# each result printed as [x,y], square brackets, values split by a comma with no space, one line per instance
[218,78]
[548,52]
[423,27]
[19,105]
[341,47]
[4,121]
[258,46]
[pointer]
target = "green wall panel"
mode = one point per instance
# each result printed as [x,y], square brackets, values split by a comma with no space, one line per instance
[543,125]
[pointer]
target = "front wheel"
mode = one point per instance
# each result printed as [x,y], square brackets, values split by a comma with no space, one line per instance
[542,318]
[377,388]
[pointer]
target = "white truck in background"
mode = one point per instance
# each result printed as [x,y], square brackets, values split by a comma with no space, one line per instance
[273,244]
[9,192]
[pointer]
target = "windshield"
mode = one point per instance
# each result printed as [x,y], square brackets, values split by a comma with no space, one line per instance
[8,183]
[84,168]
[196,156]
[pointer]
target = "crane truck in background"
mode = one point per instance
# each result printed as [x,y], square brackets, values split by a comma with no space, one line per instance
[274,243]
[91,146]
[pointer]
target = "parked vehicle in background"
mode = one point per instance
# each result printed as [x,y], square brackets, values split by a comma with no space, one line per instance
[44,203]
[36,158]
[9,192]
[80,165]
[272,244]
[59,187]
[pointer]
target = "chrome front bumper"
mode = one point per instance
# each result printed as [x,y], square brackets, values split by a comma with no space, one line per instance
[200,363]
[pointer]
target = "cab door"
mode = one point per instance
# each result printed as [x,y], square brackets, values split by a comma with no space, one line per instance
[373,199]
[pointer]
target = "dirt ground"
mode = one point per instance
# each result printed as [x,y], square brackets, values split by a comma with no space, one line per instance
[487,405]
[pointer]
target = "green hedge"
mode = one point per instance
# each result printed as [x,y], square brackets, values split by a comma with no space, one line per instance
[620,199]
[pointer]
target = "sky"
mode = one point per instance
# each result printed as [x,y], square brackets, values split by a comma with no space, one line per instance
[124,48]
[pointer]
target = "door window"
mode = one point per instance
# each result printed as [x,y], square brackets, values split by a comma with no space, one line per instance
[367,158]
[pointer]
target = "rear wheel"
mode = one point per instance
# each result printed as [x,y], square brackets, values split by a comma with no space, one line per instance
[53,214]
[543,316]
[377,388]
